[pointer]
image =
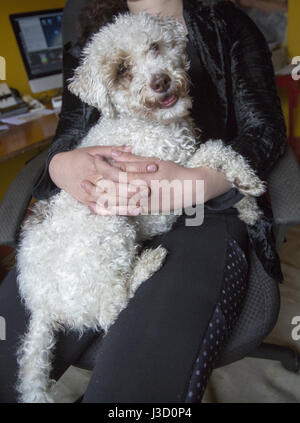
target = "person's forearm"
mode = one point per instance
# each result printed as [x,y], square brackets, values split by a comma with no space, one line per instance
[215,183]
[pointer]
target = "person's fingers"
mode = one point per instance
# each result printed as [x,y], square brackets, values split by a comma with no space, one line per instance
[92,206]
[138,167]
[112,199]
[106,151]
[107,172]
[124,190]
[123,156]
[107,200]
[90,189]
[113,192]
[109,175]
[100,210]
[142,181]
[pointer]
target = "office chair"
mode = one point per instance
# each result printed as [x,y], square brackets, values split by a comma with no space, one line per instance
[262,303]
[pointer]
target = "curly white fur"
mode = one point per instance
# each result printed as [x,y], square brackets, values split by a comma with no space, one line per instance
[77,270]
[218,156]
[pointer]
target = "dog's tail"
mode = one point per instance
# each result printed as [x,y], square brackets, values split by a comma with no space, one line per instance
[34,359]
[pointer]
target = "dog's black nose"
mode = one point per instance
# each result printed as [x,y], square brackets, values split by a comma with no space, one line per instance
[160,83]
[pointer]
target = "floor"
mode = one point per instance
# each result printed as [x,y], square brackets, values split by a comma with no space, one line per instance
[248,380]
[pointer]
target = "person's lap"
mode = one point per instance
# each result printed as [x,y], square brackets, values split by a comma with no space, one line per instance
[149,352]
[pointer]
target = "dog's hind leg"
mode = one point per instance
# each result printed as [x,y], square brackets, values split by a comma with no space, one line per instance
[34,359]
[149,262]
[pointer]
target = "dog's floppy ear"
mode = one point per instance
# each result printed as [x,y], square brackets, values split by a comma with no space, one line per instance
[87,83]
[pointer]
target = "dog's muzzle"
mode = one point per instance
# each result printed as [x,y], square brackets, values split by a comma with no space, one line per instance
[160,83]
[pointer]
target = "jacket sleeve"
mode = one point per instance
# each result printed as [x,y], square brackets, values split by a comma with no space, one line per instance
[261,137]
[71,126]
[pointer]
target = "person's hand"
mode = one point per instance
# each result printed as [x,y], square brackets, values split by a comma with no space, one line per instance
[157,194]
[171,187]
[79,171]
[165,187]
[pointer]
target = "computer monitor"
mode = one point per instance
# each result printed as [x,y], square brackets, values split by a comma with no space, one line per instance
[39,37]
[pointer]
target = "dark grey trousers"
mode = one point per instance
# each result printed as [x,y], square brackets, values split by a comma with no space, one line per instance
[156,350]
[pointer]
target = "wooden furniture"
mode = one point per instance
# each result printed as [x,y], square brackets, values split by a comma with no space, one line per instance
[20,139]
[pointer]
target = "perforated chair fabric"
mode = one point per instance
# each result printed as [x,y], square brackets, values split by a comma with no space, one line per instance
[284,189]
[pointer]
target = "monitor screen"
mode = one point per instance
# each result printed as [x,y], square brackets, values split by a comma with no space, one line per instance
[39,37]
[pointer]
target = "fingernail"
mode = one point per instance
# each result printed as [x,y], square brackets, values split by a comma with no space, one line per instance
[116,152]
[135,212]
[83,185]
[127,148]
[151,168]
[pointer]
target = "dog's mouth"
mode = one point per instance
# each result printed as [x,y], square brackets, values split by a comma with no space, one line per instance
[168,100]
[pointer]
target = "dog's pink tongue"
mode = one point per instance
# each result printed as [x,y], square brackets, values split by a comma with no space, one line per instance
[168,101]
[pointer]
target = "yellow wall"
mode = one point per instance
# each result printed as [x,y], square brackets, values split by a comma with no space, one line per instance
[293,28]
[294,45]
[15,70]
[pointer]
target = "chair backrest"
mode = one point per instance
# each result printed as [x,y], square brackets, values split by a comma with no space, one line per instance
[258,316]
[262,302]
[284,189]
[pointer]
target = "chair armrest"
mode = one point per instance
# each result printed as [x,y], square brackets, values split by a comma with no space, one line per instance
[17,198]
[284,189]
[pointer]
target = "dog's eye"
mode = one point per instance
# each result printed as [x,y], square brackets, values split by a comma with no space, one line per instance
[122,68]
[154,47]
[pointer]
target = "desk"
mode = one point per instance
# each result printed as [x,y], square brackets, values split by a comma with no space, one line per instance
[20,139]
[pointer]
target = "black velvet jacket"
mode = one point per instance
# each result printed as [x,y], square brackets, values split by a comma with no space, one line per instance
[239,105]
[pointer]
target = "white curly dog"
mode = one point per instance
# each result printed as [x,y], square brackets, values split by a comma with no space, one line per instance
[78,270]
